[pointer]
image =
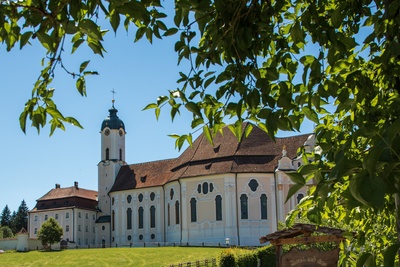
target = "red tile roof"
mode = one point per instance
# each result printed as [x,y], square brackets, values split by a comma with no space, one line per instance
[256,153]
[57,193]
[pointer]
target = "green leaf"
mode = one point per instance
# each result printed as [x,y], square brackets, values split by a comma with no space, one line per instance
[207,133]
[307,169]
[157,111]
[170,31]
[46,40]
[25,39]
[149,35]
[161,25]
[365,259]
[96,47]
[192,107]
[209,81]
[337,18]
[140,32]
[390,255]
[81,86]
[22,120]
[76,45]
[73,121]
[150,106]
[115,20]
[91,29]
[55,113]
[310,114]
[83,66]
[293,190]
[297,178]
[296,33]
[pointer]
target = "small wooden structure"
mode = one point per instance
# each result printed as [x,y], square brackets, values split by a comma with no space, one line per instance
[302,234]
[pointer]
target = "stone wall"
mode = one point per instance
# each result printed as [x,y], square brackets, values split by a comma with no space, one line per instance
[22,244]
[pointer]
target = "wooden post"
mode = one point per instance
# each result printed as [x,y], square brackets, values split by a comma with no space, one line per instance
[278,254]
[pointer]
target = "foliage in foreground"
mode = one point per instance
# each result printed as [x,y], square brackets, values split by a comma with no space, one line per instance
[275,63]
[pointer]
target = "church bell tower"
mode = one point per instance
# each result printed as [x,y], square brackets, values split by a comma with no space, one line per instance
[112,157]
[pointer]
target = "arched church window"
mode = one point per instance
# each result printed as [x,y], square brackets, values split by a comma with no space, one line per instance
[253,184]
[264,207]
[140,197]
[152,196]
[177,212]
[113,220]
[107,153]
[218,208]
[211,187]
[171,193]
[152,217]
[140,216]
[299,198]
[169,214]
[129,218]
[205,188]
[243,207]
[129,198]
[199,188]
[112,201]
[120,154]
[193,210]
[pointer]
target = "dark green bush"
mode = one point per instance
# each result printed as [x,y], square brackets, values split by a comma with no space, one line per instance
[247,258]
[227,258]
[267,256]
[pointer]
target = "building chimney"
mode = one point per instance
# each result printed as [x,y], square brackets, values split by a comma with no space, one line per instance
[57,186]
[76,185]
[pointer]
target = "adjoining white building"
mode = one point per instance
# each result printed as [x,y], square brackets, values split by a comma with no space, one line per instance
[230,189]
[74,208]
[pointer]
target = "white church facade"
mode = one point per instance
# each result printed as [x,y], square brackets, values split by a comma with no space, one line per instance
[230,189]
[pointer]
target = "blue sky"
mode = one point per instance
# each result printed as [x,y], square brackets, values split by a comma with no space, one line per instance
[32,164]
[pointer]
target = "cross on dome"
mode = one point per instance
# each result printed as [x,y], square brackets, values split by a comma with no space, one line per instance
[113,99]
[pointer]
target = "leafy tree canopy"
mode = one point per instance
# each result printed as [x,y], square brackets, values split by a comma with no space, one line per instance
[6,232]
[271,62]
[50,232]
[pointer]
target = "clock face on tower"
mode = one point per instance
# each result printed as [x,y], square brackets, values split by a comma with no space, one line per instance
[121,133]
[107,132]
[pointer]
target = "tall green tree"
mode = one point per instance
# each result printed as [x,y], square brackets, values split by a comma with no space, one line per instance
[5,217]
[50,232]
[13,225]
[275,63]
[21,217]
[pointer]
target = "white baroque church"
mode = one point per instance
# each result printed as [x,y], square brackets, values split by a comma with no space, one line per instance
[229,190]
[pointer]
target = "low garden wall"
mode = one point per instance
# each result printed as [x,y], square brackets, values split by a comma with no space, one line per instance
[21,244]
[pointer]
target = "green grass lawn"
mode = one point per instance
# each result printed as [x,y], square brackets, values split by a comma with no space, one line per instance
[119,257]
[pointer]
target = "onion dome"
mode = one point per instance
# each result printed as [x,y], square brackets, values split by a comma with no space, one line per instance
[112,121]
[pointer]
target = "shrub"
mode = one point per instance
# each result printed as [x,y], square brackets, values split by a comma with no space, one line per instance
[6,232]
[227,258]
[267,256]
[247,258]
